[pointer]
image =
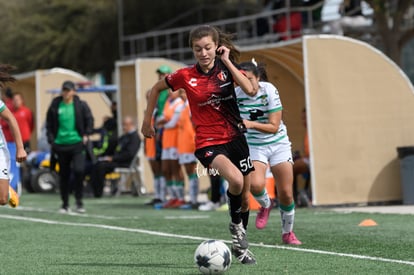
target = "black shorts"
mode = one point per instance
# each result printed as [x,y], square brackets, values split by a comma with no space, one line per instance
[236,150]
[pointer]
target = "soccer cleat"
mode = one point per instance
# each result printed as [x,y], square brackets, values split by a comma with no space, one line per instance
[262,217]
[64,210]
[244,256]
[153,202]
[169,203]
[223,207]
[178,203]
[209,206]
[13,198]
[80,210]
[238,235]
[290,238]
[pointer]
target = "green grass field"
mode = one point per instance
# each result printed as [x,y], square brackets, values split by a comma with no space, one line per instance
[120,235]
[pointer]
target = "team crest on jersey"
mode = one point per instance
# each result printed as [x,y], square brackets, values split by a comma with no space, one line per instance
[264,100]
[222,76]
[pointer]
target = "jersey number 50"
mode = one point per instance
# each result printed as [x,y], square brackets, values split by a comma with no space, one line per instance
[246,164]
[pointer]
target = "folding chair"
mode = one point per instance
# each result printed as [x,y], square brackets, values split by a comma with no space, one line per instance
[131,174]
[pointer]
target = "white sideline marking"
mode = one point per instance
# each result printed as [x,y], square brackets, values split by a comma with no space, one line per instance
[73,213]
[187,217]
[163,234]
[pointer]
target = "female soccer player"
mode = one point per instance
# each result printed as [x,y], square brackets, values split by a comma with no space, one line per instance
[268,143]
[220,142]
[7,194]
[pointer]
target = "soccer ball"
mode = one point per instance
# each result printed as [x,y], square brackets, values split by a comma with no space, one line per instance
[212,257]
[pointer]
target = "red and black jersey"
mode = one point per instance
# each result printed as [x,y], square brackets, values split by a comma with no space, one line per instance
[212,102]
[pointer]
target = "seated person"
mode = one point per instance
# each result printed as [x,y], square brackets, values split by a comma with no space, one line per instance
[104,146]
[109,138]
[128,146]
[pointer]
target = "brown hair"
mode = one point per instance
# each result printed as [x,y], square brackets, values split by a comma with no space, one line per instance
[219,37]
[5,74]
[257,69]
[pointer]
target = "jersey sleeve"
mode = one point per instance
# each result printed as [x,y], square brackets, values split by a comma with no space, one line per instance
[275,104]
[2,106]
[175,80]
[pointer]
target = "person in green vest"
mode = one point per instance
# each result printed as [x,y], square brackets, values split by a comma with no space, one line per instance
[69,121]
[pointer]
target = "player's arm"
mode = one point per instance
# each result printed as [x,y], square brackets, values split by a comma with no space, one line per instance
[147,129]
[271,127]
[14,127]
[238,76]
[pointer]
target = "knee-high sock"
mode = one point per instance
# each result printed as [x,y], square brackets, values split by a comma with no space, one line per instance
[287,214]
[193,188]
[163,188]
[263,198]
[235,202]
[245,218]
[179,189]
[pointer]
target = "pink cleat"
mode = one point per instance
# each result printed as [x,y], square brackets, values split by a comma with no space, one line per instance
[290,238]
[262,217]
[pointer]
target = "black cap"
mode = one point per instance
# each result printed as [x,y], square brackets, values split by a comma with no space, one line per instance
[68,85]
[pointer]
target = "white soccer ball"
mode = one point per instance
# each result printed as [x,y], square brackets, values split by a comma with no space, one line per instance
[212,257]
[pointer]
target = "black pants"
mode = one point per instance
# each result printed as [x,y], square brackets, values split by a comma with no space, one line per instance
[71,159]
[98,176]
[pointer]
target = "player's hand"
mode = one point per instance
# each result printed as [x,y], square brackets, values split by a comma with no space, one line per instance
[21,155]
[223,52]
[147,130]
[248,123]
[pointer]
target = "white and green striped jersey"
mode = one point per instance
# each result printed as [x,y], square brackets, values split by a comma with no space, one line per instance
[258,108]
[2,139]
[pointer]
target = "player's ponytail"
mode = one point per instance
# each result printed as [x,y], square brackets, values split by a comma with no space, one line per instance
[226,39]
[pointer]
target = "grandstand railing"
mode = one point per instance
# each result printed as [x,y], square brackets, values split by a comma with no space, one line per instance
[173,43]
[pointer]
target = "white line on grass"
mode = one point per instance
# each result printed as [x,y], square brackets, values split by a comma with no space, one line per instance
[187,217]
[163,234]
[41,210]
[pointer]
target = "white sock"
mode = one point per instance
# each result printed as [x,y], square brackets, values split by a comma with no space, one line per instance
[193,186]
[263,199]
[163,188]
[287,217]
[157,188]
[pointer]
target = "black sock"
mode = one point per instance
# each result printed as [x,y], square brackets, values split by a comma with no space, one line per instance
[245,218]
[235,202]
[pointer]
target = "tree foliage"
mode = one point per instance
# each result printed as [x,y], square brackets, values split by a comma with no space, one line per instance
[389,16]
[80,35]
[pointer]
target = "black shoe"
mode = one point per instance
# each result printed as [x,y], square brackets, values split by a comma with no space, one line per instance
[153,201]
[238,235]
[244,256]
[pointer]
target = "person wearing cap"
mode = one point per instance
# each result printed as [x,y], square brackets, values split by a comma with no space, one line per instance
[69,121]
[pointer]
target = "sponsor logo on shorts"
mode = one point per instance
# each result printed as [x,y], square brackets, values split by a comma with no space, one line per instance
[202,171]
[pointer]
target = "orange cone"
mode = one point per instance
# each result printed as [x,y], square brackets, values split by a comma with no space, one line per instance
[368,222]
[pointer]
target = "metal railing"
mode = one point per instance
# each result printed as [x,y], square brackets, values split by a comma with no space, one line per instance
[173,43]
